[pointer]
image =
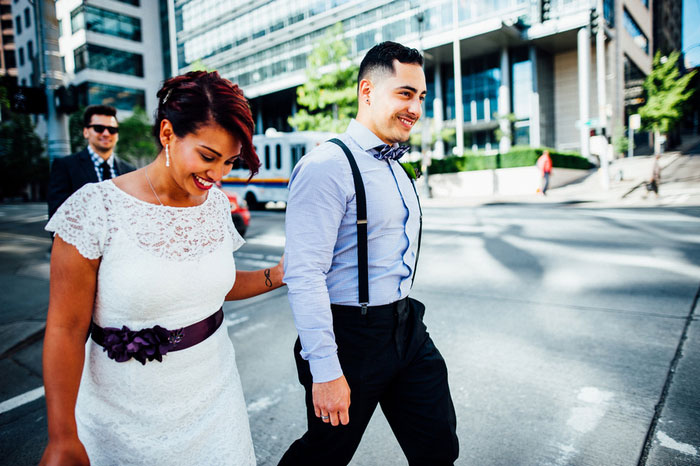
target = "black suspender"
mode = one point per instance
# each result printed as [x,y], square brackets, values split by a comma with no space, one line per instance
[361,201]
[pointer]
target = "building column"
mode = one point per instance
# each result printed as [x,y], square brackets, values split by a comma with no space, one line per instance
[504,107]
[438,117]
[584,85]
[535,138]
[259,120]
[457,62]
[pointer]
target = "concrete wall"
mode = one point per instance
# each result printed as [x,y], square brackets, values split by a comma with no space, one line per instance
[504,181]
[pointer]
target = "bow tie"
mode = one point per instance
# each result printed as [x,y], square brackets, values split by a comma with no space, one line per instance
[386,151]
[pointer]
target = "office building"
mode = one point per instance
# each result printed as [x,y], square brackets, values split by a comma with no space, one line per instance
[8,62]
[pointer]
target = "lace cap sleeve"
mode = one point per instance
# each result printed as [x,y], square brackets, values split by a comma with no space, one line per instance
[238,240]
[82,221]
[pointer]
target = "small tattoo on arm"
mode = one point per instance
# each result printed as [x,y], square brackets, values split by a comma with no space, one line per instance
[268,281]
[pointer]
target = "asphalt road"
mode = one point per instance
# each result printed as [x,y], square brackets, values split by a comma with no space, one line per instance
[560,326]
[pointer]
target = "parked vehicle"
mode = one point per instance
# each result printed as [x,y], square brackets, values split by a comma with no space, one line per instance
[239,212]
[279,153]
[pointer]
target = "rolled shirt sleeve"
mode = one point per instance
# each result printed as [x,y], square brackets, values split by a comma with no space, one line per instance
[318,195]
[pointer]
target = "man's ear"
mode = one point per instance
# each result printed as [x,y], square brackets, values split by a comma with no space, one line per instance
[365,92]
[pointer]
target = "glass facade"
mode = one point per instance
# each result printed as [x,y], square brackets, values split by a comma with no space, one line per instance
[633,29]
[236,22]
[105,22]
[123,98]
[97,57]
[481,78]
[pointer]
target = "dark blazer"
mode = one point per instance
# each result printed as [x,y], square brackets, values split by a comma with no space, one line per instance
[68,174]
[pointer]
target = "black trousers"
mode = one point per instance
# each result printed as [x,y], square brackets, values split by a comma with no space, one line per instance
[389,359]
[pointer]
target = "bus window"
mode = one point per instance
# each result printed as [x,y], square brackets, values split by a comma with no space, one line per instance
[303,151]
[278,156]
[267,157]
[293,150]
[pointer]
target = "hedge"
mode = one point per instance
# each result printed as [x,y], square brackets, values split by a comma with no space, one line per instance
[518,156]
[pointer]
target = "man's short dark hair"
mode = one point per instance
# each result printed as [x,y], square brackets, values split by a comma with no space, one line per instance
[98,110]
[381,58]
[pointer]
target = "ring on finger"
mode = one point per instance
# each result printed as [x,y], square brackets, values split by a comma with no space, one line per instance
[325,418]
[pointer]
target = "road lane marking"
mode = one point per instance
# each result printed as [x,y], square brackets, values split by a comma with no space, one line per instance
[668,442]
[22,399]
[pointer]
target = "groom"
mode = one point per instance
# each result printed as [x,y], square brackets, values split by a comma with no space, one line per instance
[356,348]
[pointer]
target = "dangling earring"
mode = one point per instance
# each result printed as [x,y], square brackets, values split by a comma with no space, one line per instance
[167,156]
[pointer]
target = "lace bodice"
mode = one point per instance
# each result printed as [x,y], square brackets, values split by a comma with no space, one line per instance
[91,217]
[164,266]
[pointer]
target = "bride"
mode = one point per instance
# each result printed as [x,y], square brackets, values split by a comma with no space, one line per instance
[144,262]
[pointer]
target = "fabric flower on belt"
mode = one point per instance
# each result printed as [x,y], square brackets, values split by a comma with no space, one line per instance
[144,345]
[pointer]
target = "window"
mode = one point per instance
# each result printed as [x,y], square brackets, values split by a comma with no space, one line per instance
[106,22]
[30,50]
[123,98]
[97,57]
[130,2]
[60,28]
[18,24]
[278,156]
[267,157]
[633,29]
[20,55]
[27,17]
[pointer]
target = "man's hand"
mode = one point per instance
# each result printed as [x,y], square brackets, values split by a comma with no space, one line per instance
[332,401]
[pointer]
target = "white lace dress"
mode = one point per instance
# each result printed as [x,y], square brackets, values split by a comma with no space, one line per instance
[164,266]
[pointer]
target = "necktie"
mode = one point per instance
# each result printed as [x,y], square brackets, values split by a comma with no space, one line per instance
[386,151]
[106,171]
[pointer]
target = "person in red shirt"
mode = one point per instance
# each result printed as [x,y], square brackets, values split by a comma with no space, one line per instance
[544,165]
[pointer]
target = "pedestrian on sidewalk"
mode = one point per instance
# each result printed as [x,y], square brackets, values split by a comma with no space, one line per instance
[544,165]
[142,264]
[353,228]
[655,177]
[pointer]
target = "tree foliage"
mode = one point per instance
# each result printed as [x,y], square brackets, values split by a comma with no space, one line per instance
[328,99]
[136,142]
[666,91]
[21,160]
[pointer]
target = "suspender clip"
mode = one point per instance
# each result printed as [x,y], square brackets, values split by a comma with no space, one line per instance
[363,306]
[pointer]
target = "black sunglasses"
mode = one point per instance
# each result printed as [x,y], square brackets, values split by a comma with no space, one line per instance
[101,128]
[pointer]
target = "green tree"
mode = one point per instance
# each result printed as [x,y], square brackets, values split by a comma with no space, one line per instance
[666,92]
[328,99]
[21,161]
[75,130]
[136,142]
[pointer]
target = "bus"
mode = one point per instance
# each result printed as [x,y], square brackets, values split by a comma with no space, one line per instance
[279,153]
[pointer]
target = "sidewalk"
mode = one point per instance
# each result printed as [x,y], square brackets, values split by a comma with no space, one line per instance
[626,187]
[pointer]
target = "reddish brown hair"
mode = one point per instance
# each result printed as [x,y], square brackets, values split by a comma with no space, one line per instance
[200,97]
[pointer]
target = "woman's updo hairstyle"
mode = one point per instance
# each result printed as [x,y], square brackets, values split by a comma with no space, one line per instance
[194,99]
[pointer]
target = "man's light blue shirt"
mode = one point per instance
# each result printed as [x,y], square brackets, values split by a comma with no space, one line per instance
[321,248]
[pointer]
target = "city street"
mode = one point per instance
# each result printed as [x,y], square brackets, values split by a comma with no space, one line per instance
[570,332]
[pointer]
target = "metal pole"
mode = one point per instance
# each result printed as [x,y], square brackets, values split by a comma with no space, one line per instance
[457,58]
[172,36]
[52,76]
[584,56]
[630,140]
[600,78]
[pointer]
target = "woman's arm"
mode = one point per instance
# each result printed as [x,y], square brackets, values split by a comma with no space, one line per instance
[253,283]
[71,299]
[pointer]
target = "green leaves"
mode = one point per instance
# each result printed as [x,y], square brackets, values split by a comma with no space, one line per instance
[329,96]
[666,92]
[136,142]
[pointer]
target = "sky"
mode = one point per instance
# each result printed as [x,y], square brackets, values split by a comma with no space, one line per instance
[691,31]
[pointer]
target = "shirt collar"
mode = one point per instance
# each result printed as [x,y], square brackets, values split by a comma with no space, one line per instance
[97,160]
[363,136]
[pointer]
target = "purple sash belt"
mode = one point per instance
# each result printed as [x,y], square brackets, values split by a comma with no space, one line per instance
[152,343]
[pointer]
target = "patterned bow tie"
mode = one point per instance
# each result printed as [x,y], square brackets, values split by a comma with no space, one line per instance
[386,151]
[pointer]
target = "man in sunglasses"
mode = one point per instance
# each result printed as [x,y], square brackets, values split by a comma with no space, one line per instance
[95,163]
